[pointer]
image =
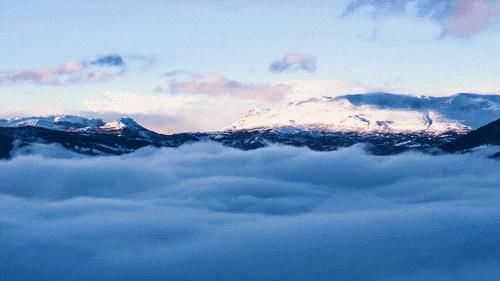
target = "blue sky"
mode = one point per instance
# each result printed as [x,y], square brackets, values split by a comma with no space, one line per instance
[219,55]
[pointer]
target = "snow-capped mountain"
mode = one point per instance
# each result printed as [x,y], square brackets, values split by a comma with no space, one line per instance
[472,110]
[112,138]
[54,122]
[377,113]
[69,123]
[126,127]
[384,123]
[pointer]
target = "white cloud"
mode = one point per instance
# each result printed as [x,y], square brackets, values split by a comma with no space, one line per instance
[294,62]
[134,103]
[205,212]
[102,68]
[218,85]
[192,112]
[303,89]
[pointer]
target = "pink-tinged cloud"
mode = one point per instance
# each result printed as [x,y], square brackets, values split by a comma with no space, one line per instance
[217,85]
[459,18]
[70,72]
[468,17]
[294,62]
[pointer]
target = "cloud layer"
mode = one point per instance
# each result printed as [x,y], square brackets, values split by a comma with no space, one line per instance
[100,69]
[205,212]
[294,62]
[218,85]
[460,18]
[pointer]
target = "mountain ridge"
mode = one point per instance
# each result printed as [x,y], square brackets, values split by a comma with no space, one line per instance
[379,135]
[378,112]
[488,134]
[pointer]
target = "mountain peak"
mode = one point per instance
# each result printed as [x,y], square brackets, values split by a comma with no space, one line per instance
[70,123]
[53,122]
[378,112]
[129,122]
[488,134]
[126,127]
[121,123]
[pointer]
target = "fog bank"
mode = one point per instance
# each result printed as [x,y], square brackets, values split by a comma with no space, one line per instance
[207,212]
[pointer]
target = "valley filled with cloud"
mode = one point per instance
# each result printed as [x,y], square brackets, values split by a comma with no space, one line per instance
[208,212]
[250,140]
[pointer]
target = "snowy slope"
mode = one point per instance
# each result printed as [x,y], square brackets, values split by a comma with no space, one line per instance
[55,122]
[472,110]
[126,127]
[378,112]
[69,123]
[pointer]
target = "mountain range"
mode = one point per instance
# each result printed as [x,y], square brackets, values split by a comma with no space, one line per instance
[379,112]
[385,123]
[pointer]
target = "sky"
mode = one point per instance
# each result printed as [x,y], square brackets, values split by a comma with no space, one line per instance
[199,65]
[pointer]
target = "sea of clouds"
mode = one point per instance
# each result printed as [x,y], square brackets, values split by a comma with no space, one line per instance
[207,212]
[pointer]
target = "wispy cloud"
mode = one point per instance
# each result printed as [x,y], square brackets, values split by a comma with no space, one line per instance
[380,6]
[109,60]
[180,72]
[459,18]
[67,73]
[294,62]
[102,68]
[218,85]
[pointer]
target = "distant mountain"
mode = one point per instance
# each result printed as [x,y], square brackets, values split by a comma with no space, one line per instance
[70,123]
[384,123]
[486,135]
[55,122]
[378,113]
[125,136]
[126,127]
[84,142]
[83,135]
[472,110]
[116,141]
[320,140]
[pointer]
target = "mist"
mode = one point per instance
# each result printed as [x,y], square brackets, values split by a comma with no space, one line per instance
[208,212]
